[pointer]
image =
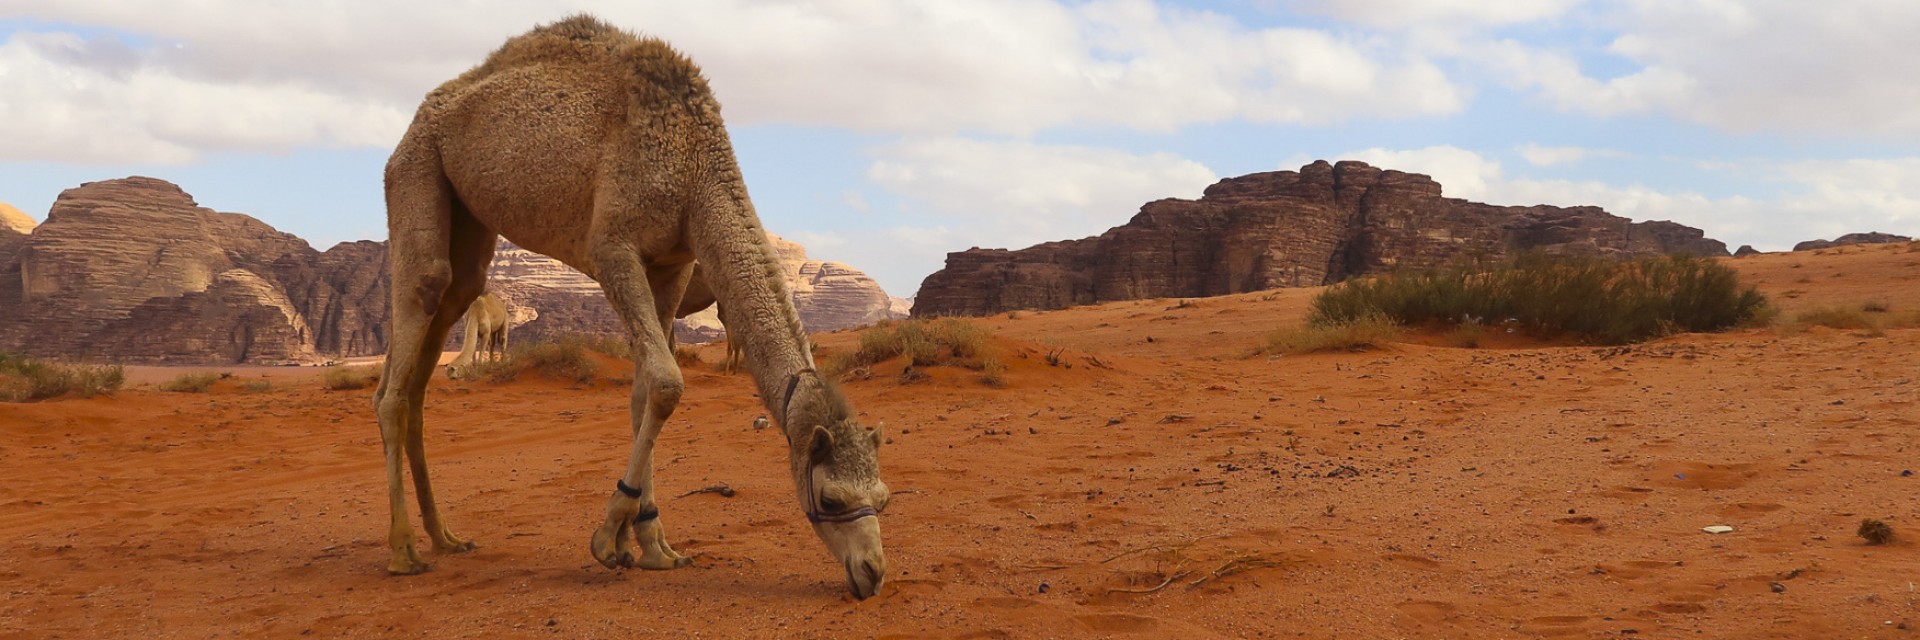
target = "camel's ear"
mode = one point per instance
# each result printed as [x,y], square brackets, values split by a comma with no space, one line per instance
[822,448]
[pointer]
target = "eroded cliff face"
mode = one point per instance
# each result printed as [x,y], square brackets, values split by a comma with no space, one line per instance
[549,298]
[133,270]
[1319,225]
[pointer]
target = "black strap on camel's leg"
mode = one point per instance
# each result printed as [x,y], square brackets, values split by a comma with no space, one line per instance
[648,514]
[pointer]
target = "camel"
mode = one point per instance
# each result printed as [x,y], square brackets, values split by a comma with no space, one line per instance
[606,151]
[697,299]
[486,339]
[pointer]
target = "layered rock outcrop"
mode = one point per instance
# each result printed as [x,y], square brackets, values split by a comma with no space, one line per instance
[550,298]
[1319,225]
[133,270]
[1872,237]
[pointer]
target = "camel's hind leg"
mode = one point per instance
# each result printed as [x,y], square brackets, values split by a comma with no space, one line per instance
[427,298]
[471,247]
[645,299]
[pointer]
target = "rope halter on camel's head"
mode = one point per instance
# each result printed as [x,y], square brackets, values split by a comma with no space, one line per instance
[815,513]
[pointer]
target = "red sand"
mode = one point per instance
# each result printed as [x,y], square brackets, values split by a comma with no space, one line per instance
[1414,492]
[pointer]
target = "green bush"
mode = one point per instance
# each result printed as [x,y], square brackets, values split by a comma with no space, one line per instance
[24,379]
[1595,300]
[191,382]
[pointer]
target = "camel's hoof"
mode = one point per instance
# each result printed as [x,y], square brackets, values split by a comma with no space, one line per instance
[454,545]
[407,567]
[606,550]
[446,542]
[664,562]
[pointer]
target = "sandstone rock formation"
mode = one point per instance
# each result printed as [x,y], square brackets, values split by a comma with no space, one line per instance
[1744,251]
[1319,225]
[1873,237]
[133,270]
[557,300]
[12,219]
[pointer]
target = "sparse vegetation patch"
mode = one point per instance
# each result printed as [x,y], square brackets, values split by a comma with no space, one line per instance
[24,379]
[1546,295]
[924,343]
[1358,334]
[341,378]
[191,382]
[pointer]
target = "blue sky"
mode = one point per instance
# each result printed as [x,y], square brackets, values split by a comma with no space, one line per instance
[885,134]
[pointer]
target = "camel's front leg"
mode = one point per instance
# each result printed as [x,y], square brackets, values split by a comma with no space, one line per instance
[632,513]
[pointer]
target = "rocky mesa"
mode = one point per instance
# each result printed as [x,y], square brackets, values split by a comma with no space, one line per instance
[134,270]
[1319,225]
[1871,237]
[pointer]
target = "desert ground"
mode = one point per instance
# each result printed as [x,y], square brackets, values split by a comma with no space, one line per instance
[1162,485]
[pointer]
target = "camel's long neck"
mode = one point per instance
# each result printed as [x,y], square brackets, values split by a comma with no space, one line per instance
[751,286]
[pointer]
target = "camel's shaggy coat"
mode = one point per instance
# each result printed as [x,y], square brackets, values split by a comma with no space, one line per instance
[606,152]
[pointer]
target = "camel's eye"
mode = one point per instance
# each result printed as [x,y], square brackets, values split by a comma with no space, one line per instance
[832,505]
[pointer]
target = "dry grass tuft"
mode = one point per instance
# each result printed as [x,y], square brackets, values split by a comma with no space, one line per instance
[1360,334]
[1875,531]
[924,343]
[192,382]
[343,378]
[24,379]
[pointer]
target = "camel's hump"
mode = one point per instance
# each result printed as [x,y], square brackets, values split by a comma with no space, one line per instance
[581,38]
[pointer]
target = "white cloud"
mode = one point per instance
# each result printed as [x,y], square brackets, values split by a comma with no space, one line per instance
[1408,13]
[1844,67]
[1540,156]
[267,75]
[1814,199]
[1018,193]
[1461,173]
[855,201]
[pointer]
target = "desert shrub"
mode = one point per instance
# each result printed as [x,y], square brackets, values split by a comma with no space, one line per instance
[1547,295]
[922,342]
[1875,306]
[341,378]
[686,356]
[1358,334]
[1845,318]
[191,382]
[24,379]
[993,373]
[258,386]
[949,341]
[563,358]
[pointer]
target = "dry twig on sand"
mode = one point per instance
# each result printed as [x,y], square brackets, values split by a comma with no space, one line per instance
[1163,584]
[722,489]
[1160,547]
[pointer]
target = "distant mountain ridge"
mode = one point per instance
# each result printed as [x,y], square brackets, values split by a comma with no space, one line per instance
[133,270]
[1319,225]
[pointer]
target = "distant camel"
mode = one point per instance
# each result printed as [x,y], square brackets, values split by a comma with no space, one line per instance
[486,339]
[607,152]
[697,299]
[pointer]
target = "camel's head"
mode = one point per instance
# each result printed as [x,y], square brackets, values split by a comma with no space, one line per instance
[836,470]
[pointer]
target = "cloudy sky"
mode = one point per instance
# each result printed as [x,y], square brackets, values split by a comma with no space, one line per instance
[886,133]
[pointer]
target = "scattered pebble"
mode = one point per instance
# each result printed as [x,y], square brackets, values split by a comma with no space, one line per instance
[1777,587]
[1718,528]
